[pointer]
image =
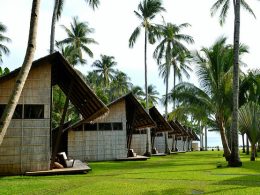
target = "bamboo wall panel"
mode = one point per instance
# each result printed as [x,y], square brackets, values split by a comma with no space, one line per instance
[26,146]
[100,145]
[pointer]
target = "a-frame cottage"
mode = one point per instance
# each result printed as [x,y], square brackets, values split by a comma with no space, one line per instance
[109,137]
[160,143]
[27,143]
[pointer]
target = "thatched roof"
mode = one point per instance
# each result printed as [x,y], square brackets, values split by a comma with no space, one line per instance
[184,132]
[161,124]
[65,76]
[177,130]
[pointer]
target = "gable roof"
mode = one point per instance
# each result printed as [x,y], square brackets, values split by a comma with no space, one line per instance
[177,131]
[161,124]
[135,113]
[65,76]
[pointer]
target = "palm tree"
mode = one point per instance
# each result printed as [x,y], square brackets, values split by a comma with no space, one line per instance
[78,37]
[71,55]
[148,10]
[3,39]
[249,123]
[23,74]
[138,92]
[152,96]
[95,82]
[57,10]
[215,76]
[105,69]
[224,6]
[170,49]
[4,71]
[120,85]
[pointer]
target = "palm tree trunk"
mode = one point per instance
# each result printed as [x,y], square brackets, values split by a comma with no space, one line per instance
[148,133]
[174,84]
[243,142]
[167,151]
[247,145]
[201,141]
[253,151]
[23,74]
[206,139]
[53,25]
[234,160]
[226,148]
[173,143]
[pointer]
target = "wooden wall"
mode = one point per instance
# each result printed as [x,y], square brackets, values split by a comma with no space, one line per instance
[26,146]
[101,145]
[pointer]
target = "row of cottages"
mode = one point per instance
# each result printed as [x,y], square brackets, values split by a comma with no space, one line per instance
[111,136]
[27,143]
[161,139]
[182,137]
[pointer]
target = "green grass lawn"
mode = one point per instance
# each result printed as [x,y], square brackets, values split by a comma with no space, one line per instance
[189,173]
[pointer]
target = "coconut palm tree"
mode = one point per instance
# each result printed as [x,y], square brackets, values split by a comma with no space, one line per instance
[78,37]
[138,92]
[105,69]
[120,85]
[249,123]
[214,71]
[224,6]
[57,10]
[148,9]
[170,49]
[3,39]
[23,74]
[152,96]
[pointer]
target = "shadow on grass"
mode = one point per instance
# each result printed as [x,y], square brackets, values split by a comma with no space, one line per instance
[246,180]
[223,191]
[167,191]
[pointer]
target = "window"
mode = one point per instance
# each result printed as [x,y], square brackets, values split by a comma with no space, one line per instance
[105,126]
[33,111]
[18,113]
[117,126]
[90,127]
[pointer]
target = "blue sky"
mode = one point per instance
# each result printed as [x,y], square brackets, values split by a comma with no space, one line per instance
[114,22]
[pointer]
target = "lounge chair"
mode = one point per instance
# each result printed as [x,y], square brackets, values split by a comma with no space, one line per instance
[63,159]
[131,153]
[155,151]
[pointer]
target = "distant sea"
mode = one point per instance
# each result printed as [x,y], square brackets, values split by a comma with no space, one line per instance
[215,140]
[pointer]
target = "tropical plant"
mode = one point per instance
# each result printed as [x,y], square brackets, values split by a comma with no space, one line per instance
[24,71]
[138,92]
[249,123]
[120,85]
[105,69]
[78,37]
[4,71]
[249,89]
[148,10]
[3,39]
[171,49]
[224,5]
[57,10]
[214,71]
[152,96]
